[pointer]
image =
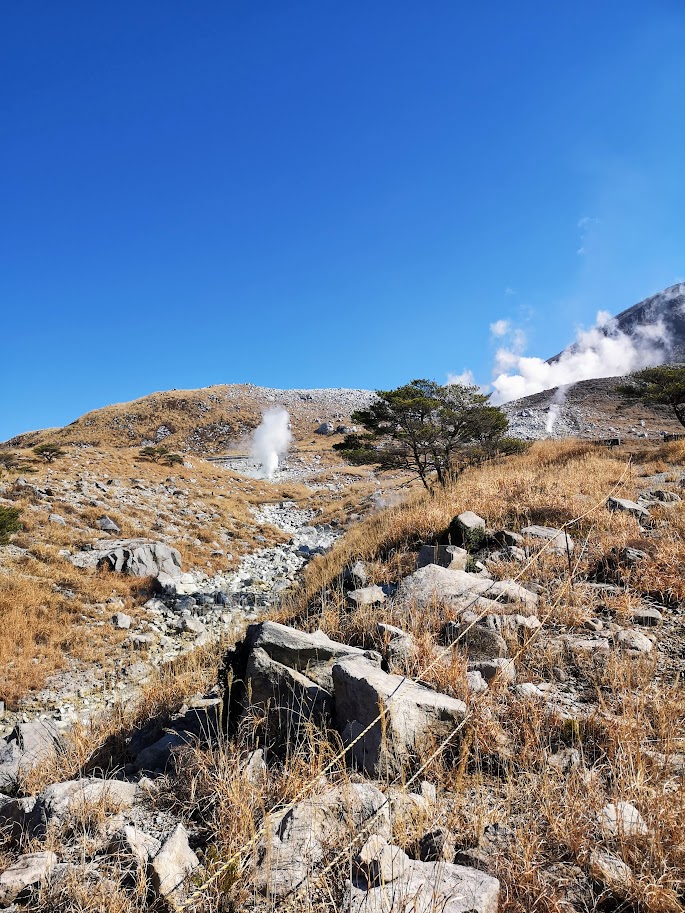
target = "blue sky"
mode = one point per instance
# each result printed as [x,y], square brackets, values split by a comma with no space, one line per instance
[304,194]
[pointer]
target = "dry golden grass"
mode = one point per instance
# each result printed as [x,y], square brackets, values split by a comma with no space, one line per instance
[496,770]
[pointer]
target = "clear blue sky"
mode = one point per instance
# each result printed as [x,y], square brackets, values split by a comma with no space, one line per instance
[323,193]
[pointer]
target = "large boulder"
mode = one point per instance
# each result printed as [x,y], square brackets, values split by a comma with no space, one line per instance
[292,698]
[386,880]
[28,744]
[414,715]
[71,796]
[302,837]
[137,557]
[433,583]
[311,654]
[27,871]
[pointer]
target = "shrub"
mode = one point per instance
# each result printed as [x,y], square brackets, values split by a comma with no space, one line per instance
[9,523]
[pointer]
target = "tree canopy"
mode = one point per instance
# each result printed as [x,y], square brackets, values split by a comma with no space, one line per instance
[663,385]
[427,429]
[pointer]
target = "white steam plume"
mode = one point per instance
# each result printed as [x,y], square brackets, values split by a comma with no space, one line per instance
[270,441]
[602,351]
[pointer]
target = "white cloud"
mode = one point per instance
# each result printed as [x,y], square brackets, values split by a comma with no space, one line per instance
[500,327]
[466,378]
[509,290]
[585,225]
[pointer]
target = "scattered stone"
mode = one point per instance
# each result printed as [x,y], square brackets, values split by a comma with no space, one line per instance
[172,865]
[562,543]
[107,525]
[667,497]
[611,871]
[60,799]
[432,583]
[631,507]
[28,745]
[55,518]
[438,845]
[132,842]
[122,621]
[356,576]
[28,870]
[479,641]
[622,819]
[450,556]
[256,769]
[647,617]
[23,818]
[421,887]
[192,625]
[634,640]
[325,428]
[369,595]
[500,669]
[299,839]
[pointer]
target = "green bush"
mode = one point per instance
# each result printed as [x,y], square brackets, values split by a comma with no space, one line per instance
[9,523]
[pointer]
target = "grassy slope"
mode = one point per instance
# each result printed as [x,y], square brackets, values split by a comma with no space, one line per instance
[497,771]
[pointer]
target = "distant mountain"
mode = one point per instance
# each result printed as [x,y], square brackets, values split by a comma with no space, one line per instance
[668,307]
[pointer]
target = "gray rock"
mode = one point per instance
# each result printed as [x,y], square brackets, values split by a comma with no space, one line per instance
[121,620]
[414,714]
[256,770]
[398,644]
[468,521]
[438,845]
[292,697]
[356,575]
[562,543]
[611,871]
[647,617]
[23,818]
[107,525]
[630,507]
[432,583]
[622,819]
[450,556]
[300,838]
[325,428]
[368,595]
[477,640]
[60,799]
[424,887]
[311,654]
[29,870]
[29,744]
[131,842]
[137,557]
[192,625]
[159,755]
[667,497]
[634,640]
[55,518]
[475,682]
[170,868]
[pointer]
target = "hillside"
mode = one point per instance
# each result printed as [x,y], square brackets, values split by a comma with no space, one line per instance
[666,308]
[209,420]
[498,732]
[591,409]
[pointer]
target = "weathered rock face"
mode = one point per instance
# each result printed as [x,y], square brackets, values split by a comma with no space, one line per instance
[290,696]
[388,881]
[432,583]
[72,795]
[631,507]
[28,745]
[27,871]
[138,557]
[415,715]
[173,864]
[297,840]
[311,654]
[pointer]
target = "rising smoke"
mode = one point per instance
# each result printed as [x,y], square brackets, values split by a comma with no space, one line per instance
[602,351]
[270,441]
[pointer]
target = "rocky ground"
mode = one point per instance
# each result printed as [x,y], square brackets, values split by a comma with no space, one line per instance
[490,721]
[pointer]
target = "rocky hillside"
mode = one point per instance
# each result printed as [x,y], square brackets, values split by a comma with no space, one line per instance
[474,705]
[592,409]
[211,420]
[666,308]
